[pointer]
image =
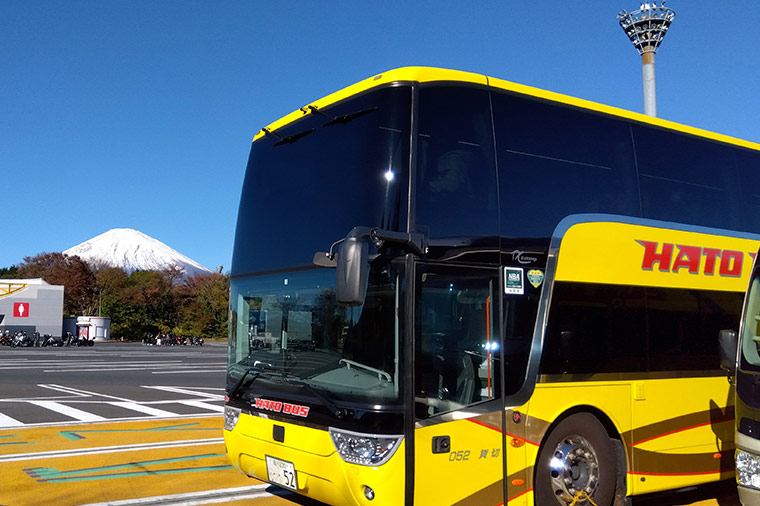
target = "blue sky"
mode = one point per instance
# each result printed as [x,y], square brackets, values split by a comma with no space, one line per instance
[140,113]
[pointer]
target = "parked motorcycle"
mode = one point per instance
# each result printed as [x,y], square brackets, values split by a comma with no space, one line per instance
[22,340]
[82,341]
[76,340]
[48,340]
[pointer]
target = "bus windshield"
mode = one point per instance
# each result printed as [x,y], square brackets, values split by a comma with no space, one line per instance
[307,185]
[292,338]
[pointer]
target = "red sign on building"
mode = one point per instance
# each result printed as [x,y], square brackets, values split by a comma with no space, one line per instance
[21,309]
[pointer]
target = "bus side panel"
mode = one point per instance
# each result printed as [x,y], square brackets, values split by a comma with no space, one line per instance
[676,432]
[471,472]
[321,473]
[682,432]
[550,401]
[520,451]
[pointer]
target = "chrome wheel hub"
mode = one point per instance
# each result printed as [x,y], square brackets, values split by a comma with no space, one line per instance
[573,468]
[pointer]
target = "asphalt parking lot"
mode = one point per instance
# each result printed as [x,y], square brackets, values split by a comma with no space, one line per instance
[122,421]
[111,381]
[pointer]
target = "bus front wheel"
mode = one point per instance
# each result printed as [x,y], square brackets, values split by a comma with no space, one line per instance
[576,463]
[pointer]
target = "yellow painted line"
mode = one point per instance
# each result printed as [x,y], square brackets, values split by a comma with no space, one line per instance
[136,463]
[104,462]
[103,434]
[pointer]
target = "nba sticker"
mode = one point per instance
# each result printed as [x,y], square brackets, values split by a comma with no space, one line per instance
[513,280]
[535,277]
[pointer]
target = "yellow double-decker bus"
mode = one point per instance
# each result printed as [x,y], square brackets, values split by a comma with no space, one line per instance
[448,289]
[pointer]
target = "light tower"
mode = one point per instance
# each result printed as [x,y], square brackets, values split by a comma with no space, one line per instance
[646,28]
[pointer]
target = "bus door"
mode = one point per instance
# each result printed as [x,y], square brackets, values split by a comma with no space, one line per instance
[458,440]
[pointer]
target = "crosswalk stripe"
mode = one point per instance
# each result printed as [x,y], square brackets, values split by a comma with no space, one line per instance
[7,421]
[194,393]
[203,405]
[144,409]
[78,414]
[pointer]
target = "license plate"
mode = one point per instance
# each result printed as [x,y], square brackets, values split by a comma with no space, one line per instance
[282,473]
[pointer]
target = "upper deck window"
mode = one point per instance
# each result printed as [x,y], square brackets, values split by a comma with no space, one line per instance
[302,194]
[687,179]
[555,161]
[456,176]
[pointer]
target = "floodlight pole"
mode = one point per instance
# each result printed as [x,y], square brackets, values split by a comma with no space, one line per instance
[646,28]
[650,84]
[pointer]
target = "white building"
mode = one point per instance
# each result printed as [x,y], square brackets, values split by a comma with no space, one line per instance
[31,304]
[94,327]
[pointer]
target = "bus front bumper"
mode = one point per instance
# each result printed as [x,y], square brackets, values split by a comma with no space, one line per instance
[321,473]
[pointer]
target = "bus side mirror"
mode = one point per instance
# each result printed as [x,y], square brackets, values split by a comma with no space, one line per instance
[727,343]
[352,269]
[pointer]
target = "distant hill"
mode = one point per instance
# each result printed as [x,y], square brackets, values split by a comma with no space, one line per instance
[132,250]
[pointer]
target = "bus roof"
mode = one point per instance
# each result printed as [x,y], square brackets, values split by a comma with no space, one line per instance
[432,74]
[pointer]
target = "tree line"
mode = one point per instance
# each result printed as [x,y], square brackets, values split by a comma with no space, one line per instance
[140,303]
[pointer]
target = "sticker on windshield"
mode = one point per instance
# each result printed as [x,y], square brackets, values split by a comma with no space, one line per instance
[513,280]
[535,277]
[282,407]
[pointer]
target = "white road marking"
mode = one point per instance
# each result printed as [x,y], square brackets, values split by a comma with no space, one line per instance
[203,405]
[77,414]
[83,393]
[66,390]
[199,498]
[140,408]
[177,390]
[206,401]
[7,421]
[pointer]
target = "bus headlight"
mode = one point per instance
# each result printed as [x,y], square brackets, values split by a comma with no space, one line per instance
[231,416]
[748,469]
[364,449]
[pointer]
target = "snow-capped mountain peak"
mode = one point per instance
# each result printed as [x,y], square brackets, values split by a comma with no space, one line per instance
[132,250]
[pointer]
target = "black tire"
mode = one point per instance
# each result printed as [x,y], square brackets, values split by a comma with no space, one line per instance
[582,451]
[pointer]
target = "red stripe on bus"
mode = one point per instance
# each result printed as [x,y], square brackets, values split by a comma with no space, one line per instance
[638,473]
[680,430]
[499,430]
[518,495]
[522,438]
[485,425]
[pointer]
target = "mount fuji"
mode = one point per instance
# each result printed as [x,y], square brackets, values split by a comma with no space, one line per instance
[132,250]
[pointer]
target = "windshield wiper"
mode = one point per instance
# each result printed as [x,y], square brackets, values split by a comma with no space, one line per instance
[259,367]
[333,408]
[347,118]
[338,120]
[232,392]
[256,370]
[290,139]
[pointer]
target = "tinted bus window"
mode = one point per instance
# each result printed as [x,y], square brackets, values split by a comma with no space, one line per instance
[300,194]
[683,327]
[554,161]
[748,198]
[456,175]
[635,329]
[595,329]
[687,179]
